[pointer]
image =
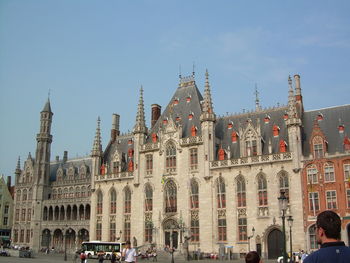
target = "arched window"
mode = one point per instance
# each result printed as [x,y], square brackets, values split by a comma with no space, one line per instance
[262,190]
[18,195]
[77,192]
[99,202]
[59,196]
[284,184]
[30,194]
[283,146]
[312,237]
[24,195]
[221,154]
[113,203]
[194,199]
[221,192]
[170,197]
[148,198]
[329,172]
[170,158]
[127,201]
[241,193]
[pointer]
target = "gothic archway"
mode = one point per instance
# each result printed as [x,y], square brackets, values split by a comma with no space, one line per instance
[171,233]
[274,244]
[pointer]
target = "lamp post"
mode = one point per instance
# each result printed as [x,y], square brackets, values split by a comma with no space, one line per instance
[249,237]
[171,243]
[283,207]
[290,224]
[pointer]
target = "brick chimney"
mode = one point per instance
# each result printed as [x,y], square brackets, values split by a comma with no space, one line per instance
[9,183]
[115,126]
[156,112]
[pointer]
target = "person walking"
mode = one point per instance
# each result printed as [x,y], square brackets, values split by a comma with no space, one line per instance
[113,257]
[253,257]
[333,250]
[100,258]
[129,253]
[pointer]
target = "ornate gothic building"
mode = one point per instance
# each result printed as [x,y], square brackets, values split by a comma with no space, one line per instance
[191,174]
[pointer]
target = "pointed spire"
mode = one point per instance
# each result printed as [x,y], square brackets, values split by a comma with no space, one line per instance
[140,126]
[207,105]
[18,167]
[97,147]
[47,107]
[29,155]
[292,111]
[257,102]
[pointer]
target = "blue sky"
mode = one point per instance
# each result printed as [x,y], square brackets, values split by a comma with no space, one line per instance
[94,55]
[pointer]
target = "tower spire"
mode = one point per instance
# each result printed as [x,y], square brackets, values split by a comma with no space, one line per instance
[207,108]
[97,147]
[292,111]
[18,167]
[140,125]
[257,102]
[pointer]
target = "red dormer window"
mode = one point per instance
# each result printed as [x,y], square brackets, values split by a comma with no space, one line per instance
[320,117]
[165,121]
[129,141]
[283,146]
[176,101]
[267,119]
[230,125]
[130,152]
[234,136]
[188,99]
[190,116]
[285,116]
[221,154]
[341,128]
[177,119]
[102,169]
[347,144]
[154,137]
[275,130]
[193,131]
[131,166]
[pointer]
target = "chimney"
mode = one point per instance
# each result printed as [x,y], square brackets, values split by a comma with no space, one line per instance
[297,88]
[57,158]
[156,110]
[9,183]
[115,126]
[65,156]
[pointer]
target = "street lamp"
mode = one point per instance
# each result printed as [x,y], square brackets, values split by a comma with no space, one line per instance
[290,224]
[172,227]
[249,237]
[283,201]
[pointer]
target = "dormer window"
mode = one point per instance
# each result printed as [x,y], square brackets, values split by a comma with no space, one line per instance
[176,101]
[318,147]
[154,137]
[283,146]
[130,152]
[267,119]
[251,148]
[285,116]
[230,125]
[346,143]
[234,136]
[129,141]
[165,121]
[177,119]
[190,116]
[188,99]
[275,130]
[319,117]
[221,154]
[193,130]
[341,128]
[131,166]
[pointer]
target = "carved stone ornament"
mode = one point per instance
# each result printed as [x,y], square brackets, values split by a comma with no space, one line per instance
[222,213]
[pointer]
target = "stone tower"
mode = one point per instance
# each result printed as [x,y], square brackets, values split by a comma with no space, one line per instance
[41,173]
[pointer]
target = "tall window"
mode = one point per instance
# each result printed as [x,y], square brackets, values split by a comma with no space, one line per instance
[284,184]
[17,215]
[221,192]
[148,198]
[241,194]
[24,195]
[112,236]
[194,159]
[346,171]
[28,236]
[115,167]
[21,236]
[99,202]
[99,231]
[18,195]
[127,202]
[262,190]
[29,214]
[331,199]
[242,229]
[127,227]
[170,157]
[148,232]
[318,147]
[6,209]
[23,215]
[113,202]
[170,197]
[348,197]
[329,172]
[314,201]
[194,199]
[149,164]
[311,175]
[30,194]
[312,236]
[194,229]
[222,229]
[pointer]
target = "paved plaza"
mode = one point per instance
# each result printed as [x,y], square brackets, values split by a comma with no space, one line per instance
[59,258]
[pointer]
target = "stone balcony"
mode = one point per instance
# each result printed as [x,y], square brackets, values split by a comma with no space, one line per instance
[252,160]
[114,176]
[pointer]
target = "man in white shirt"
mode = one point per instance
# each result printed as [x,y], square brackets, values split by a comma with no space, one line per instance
[129,253]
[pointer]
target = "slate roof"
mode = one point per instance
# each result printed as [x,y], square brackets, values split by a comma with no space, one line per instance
[223,133]
[77,163]
[332,118]
[187,88]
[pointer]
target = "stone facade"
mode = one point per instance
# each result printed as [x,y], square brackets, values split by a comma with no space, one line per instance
[6,210]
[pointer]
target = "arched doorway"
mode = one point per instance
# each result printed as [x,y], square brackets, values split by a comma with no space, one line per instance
[171,233]
[46,238]
[274,244]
